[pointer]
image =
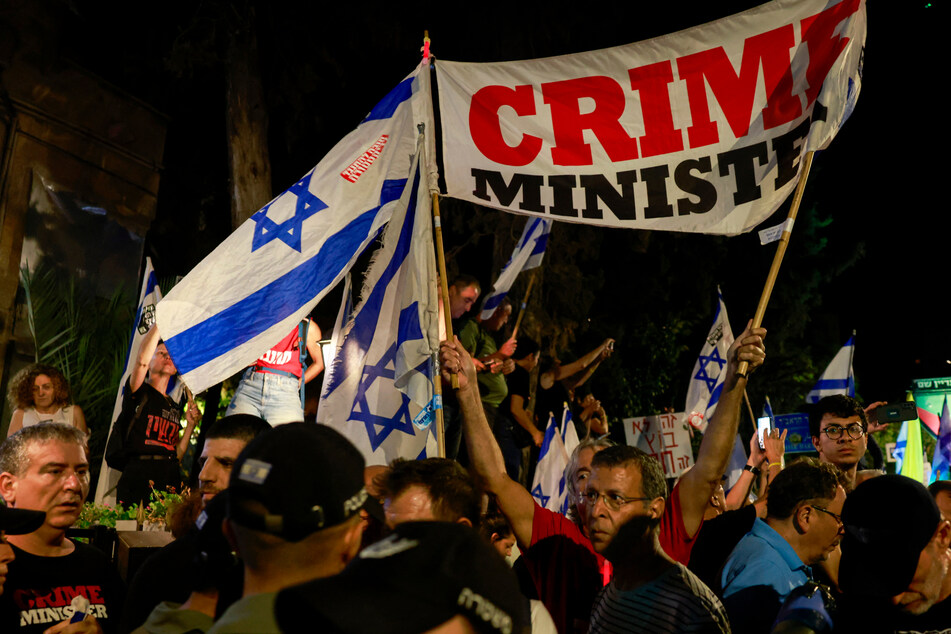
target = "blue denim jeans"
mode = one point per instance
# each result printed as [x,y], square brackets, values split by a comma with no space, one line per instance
[273,397]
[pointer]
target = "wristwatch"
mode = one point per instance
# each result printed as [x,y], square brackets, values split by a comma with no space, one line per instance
[754,470]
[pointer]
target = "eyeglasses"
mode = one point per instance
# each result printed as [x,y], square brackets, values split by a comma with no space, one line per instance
[835,516]
[613,501]
[834,432]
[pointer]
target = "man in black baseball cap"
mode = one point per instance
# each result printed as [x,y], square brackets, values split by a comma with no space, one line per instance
[15,522]
[896,554]
[425,576]
[294,501]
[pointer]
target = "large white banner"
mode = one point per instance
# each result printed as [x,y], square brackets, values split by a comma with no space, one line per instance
[701,130]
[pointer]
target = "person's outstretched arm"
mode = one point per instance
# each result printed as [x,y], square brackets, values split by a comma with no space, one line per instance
[485,457]
[698,484]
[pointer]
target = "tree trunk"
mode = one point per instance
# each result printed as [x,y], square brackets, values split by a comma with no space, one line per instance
[248,161]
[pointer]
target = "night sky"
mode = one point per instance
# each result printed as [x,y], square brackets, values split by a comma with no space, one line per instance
[323,69]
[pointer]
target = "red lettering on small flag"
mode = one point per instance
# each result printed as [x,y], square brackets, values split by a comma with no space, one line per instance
[362,164]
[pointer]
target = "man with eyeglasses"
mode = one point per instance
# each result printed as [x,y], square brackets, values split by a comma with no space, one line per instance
[624,500]
[565,568]
[802,528]
[839,430]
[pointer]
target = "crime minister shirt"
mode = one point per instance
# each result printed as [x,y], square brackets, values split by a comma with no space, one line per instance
[39,590]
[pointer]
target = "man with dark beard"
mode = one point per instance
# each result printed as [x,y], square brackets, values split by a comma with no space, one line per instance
[160,576]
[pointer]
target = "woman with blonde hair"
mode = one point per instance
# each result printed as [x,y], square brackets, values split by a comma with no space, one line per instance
[40,393]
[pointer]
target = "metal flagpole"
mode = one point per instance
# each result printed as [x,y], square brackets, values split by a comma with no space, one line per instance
[780,252]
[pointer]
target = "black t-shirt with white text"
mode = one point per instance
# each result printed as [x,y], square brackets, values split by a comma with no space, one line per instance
[39,590]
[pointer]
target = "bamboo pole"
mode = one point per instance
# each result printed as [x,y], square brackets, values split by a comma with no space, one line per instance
[521,310]
[749,408]
[447,314]
[780,252]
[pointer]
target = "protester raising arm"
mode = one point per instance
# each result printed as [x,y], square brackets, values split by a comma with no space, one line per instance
[739,495]
[698,484]
[485,457]
[588,362]
[144,357]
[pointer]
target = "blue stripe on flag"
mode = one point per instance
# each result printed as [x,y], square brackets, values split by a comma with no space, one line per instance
[540,244]
[530,234]
[389,104]
[493,301]
[832,384]
[366,321]
[715,395]
[245,319]
[409,328]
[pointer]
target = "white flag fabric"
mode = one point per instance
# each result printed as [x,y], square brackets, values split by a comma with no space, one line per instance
[701,130]
[149,296]
[379,389]
[548,485]
[569,436]
[267,275]
[838,377]
[734,468]
[527,255]
[709,372]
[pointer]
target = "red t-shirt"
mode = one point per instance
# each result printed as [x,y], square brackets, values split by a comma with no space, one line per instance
[565,570]
[285,356]
[673,536]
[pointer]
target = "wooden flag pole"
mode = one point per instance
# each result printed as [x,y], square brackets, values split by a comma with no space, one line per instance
[780,252]
[521,310]
[749,408]
[447,314]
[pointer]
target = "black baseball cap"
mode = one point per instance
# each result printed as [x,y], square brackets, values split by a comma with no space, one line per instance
[20,521]
[420,576]
[888,522]
[296,479]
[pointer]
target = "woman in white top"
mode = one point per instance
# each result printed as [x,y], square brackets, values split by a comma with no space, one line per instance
[40,393]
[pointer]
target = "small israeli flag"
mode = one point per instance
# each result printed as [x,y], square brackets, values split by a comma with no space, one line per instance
[527,255]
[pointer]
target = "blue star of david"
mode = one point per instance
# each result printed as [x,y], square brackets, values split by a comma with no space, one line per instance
[399,421]
[538,495]
[289,231]
[702,372]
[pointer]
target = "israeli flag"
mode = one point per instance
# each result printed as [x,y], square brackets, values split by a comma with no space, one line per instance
[838,377]
[267,275]
[527,255]
[941,462]
[901,444]
[548,485]
[149,296]
[378,391]
[569,436]
[708,374]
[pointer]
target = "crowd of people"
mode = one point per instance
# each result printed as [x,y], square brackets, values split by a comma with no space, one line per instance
[293,532]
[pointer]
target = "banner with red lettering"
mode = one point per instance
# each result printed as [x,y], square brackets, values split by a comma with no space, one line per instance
[701,130]
[664,436]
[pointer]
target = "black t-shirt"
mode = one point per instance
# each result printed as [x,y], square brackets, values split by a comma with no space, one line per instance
[38,590]
[155,420]
[519,384]
[716,540]
[552,401]
[169,575]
